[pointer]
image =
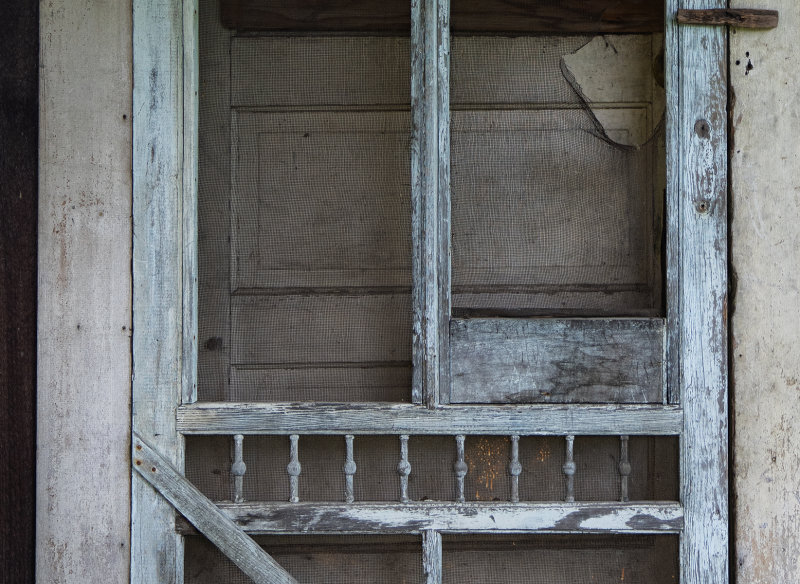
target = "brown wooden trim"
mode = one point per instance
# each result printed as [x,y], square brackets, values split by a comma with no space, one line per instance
[480,16]
[740,18]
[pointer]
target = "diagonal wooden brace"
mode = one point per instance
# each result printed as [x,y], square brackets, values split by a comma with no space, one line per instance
[206,516]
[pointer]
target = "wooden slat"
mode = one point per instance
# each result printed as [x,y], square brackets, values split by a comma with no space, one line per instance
[415,517]
[602,16]
[697,247]
[156,553]
[738,17]
[425,212]
[189,202]
[206,418]
[206,517]
[502,360]
[432,556]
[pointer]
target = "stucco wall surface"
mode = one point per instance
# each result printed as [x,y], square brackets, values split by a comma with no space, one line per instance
[83,470]
[765,248]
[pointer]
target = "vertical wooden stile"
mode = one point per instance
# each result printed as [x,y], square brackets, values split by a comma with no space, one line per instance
[189,200]
[443,218]
[158,278]
[425,212]
[432,556]
[697,278]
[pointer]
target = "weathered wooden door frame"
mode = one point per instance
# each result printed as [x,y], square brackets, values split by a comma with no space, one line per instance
[165,292]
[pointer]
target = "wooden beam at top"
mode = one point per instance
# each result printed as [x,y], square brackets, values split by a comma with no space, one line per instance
[479,16]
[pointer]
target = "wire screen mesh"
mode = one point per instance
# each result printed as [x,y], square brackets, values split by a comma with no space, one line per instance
[316,559]
[556,175]
[560,559]
[304,227]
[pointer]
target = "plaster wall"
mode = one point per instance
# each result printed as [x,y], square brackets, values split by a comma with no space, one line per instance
[765,324]
[84,310]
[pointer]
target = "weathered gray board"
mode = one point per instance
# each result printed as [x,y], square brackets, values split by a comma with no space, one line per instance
[500,360]
[697,283]
[262,518]
[208,418]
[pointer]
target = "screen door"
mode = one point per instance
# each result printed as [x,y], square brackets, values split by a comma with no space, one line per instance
[455,321]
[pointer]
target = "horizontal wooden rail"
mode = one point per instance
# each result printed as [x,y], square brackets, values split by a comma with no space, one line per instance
[209,418]
[336,518]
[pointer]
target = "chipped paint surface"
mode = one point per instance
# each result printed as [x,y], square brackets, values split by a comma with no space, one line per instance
[765,244]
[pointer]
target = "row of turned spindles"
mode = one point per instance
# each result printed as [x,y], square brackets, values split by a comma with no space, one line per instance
[460,468]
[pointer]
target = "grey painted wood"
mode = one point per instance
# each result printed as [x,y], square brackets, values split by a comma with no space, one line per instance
[460,468]
[432,556]
[501,360]
[425,212]
[404,468]
[569,469]
[581,517]
[697,123]
[514,469]
[624,468]
[208,418]
[443,204]
[158,256]
[189,202]
[238,469]
[349,469]
[293,469]
[205,516]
